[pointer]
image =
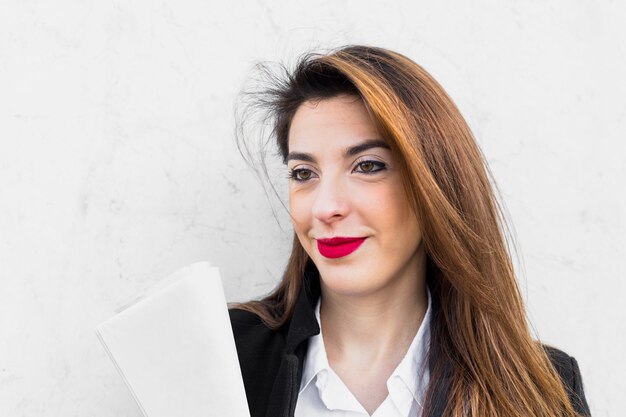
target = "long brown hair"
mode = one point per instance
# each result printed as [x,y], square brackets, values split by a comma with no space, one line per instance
[497,369]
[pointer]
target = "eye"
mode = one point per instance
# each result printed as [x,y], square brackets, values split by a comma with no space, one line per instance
[370,166]
[300,174]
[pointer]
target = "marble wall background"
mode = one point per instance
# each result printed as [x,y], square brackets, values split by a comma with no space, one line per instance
[118,165]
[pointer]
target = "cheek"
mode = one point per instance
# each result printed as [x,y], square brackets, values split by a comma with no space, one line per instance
[394,212]
[300,211]
[381,201]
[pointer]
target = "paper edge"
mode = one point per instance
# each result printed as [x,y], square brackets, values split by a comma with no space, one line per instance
[120,372]
[158,286]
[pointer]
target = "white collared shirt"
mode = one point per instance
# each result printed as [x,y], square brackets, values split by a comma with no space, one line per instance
[323,394]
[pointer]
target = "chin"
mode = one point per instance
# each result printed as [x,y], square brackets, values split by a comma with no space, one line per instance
[348,284]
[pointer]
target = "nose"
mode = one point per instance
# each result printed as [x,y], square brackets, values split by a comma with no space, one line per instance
[331,200]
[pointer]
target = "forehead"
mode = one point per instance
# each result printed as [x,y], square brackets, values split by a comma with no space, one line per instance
[335,122]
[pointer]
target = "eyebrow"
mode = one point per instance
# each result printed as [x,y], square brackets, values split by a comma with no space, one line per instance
[351,151]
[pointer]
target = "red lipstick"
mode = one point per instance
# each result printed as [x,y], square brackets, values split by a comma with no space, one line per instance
[339,246]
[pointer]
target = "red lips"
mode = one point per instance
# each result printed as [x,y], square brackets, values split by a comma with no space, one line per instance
[337,247]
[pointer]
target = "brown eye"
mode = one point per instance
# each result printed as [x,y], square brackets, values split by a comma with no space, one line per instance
[300,174]
[370,167]
[304,175]
[367,166]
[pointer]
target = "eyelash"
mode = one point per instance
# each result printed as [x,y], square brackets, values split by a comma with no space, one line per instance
[293,174]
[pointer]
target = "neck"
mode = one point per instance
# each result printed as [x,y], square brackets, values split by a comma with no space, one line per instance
[376,325]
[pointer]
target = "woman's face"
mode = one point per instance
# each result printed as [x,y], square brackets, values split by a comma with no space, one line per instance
[345,182]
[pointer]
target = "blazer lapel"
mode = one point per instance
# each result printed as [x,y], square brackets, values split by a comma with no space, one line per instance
[440,387]
[303,324]
[441,394]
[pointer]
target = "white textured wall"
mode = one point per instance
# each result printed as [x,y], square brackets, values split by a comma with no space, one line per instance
[118,166]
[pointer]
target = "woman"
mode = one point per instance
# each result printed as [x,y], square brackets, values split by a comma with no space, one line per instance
[399,297]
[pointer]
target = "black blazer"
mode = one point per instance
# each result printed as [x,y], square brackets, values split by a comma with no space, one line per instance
[272,360]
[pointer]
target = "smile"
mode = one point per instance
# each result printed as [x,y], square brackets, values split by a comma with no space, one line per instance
[338,247]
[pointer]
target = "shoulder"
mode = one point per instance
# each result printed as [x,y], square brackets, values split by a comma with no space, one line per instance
[243,320]
[568,370]
[249,327]
[252,335]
